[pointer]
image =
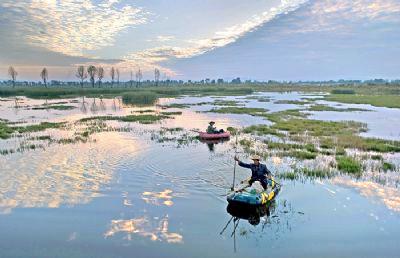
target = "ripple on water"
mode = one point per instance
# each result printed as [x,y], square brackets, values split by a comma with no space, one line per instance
[63,175]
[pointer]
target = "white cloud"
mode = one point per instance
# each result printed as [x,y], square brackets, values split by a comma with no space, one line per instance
[151,58]
[339,15]
[71,26]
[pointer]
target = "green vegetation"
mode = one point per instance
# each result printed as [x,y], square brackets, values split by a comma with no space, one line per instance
[259,98]
[386,166]
[5,130]
[171,130]
[56,107]
[144,111]
[262,130]
[301,154]
[318,128]
[306,173]
[329,108]
[143,119]
[177,105]
[232,103]
[376,157]
[239,110]
[38,127]
[139,98]
[232,130]
[392,101]
[343,91]
[172,91]
[171,113]
[294,102]
[348,165]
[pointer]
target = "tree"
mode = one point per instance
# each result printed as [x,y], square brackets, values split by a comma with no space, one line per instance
[156,76]
[92,71]
[139,77]
[100,74]
[13,74]
[44,74]
[117,70]
[81,74]
[112,74]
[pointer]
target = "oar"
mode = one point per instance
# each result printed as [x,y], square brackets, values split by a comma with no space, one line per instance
[234,166]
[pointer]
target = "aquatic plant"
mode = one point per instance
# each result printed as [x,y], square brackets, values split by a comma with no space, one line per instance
[343,91]
[56,107]
[143,119]
[386,166]
[139,98]
[262,130]
[239,110]
[348,165]
[321,107]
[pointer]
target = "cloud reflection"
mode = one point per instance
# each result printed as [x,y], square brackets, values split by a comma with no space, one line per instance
[61,175]
[155,229]
[157,198]
[390,196]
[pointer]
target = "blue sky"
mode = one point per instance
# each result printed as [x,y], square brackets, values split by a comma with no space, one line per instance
[253,39]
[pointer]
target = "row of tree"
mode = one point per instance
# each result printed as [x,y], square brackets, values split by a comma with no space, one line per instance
[93,73]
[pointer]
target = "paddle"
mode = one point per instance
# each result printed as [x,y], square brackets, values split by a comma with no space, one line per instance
[234,166]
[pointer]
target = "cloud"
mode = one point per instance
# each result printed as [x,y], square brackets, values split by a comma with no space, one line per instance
[162,38]
[339,15]
[70,27]
[152,57]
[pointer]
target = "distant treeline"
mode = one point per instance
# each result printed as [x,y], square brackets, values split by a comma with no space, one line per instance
[152,83]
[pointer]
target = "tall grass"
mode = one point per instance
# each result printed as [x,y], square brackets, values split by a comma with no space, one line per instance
[140,98]
[348,165]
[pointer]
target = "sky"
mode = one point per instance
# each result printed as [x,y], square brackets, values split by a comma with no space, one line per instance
[197,39]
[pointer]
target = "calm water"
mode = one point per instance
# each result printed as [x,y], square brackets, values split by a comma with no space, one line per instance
[123,194]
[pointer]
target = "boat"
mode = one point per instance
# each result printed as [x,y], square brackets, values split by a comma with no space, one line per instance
[214,136]
[253,197]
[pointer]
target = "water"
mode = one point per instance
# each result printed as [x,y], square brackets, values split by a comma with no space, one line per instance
[123,194]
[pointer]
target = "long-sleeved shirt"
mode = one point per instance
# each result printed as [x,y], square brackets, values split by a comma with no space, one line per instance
[211,129]
[257,171]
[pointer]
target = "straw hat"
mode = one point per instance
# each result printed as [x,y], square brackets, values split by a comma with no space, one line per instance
[256,157]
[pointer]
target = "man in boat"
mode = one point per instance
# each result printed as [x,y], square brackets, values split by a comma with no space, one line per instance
[212,129]
[259,172]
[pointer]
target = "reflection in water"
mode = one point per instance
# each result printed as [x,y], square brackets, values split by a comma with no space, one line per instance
[390,196]
[83,107]
[246,212]
[211,143]
[94,108]
[64,176]
[155,229]
[157,198]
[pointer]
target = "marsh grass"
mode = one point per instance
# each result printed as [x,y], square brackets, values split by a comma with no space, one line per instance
[302,155]
[5,130]
[318,128]
[321,107]
[55,107]
[176,113]
[392,101]
[293,102]
[348,165]
[143,118]
[386,166]
[139,98]
[262,130]
[239,110]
